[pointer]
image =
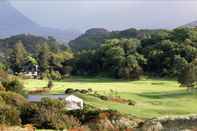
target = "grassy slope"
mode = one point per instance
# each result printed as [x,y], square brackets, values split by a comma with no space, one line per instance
[154,97]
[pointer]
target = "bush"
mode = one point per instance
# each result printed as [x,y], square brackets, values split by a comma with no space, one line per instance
[83,91]
[48,119]
[9,115]
[50,114]
[69,91]
[13,99]
[50,84]
[131,103]
[28,112]
[2,88]
[3,75]
[14,86]
[55,75]
[51,104]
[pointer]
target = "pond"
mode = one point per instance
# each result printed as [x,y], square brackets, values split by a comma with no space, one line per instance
[38,97]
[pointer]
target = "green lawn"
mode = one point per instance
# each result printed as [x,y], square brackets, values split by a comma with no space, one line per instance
[154,97]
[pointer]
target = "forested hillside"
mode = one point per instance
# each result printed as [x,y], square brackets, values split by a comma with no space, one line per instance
[127,54]
[30,42]
[93,38]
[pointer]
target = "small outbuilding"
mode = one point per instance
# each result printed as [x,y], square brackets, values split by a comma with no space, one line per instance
[72,102]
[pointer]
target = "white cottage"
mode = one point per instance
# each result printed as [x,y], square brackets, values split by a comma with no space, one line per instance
[72,102]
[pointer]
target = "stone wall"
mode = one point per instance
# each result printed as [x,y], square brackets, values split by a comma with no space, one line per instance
[176,123]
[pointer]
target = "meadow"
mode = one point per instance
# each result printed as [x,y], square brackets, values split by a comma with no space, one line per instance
[153,97]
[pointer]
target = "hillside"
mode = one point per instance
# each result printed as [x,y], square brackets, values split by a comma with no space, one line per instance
[30,42]
[94,37]
[14,22]
[191,25]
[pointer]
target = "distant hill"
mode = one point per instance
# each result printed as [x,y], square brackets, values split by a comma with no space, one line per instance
[93,38]
[90,39]
[191,25]
[30,42]
[13,22]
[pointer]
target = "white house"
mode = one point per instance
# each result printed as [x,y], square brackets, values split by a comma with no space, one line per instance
[72,102]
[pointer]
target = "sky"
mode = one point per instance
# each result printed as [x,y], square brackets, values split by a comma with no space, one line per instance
[110,14]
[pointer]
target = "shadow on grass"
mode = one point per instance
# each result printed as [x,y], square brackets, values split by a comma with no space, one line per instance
[169,94]
[98,79]
[94,80]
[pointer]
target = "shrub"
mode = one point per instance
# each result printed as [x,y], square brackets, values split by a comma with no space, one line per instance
[9,115]
[45,75]
[14,86]
[55,75]
[28,112]
[2,88]
[51,104]
[50,84]
[49,119]
[3,75]
[13,99]
[69,91]
[131,102]
[2,102]
[83,91]
[50,114]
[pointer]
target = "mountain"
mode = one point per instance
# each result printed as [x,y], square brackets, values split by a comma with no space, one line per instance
[94,38]
[14,22]
[191,25]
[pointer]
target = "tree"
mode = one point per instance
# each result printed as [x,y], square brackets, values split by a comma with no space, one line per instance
[43,57]
[188,76]
[121,58]
[17,57]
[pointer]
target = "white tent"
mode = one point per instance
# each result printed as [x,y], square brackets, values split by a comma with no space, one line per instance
[73,102]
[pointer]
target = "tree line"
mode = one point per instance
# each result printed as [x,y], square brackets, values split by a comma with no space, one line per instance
[127,55]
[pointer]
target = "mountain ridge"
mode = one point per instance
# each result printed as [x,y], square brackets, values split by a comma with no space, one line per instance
[14,22]
[192,24]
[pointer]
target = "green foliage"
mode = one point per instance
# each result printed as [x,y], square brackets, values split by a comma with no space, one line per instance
[121,54]
[3,75]
[50,84]
[86,63]
[43,57]
[122,59]
[31,60]
[2,66]
[55,75]
[13,99]
[188,75]
[9,115]
[50,115]
[92,39]
[14,86]
[17,57]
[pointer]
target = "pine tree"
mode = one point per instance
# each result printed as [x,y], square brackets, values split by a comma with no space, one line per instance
[18,57]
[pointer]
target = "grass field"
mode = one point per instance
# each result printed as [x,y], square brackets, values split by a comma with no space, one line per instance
[154,97]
